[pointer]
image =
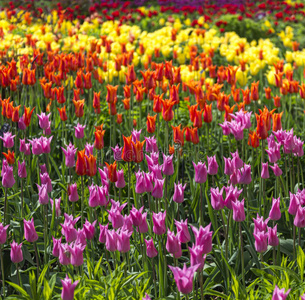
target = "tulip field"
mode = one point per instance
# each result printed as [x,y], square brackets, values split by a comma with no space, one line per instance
[152,150]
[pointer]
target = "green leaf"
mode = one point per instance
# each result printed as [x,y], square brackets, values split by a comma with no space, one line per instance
[20,290]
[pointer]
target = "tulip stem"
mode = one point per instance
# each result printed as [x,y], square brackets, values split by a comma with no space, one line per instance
[299,236]
[154,277]
[37,258]
[129,179]
[82,200]
[201,284]
[45,217]
[176,264]
[242,254]
[18,275]
[5,205]
[2,271]
[201,205]
[294,241]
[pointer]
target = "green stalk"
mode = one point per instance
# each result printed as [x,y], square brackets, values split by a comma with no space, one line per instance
[2,271]
[82,200]
[37,258]
[242,254]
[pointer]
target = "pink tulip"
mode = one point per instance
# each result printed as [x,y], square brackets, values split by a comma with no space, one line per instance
[56,246]
[22,169]
[16,252]
[89,229]
[238,211]
[217,201]
[273,239]
[120,183]
[76,250]
[200,172]
[232,195]
[275,212]
[260,224]
[168,167]
[183,232]
[149,179]
[173,244]
[111,240]
[30,233]
[261,244]
[57,206]
[43,120]
[293,205]
[299,219]
[136,135]
[103,230]
[69,155]
[140,183]
[279,294]
[276,170]
[117,153]
[184,278]
[151,144]
[3,234]
[43,196]
[8,140]
[8,179]
[212,165]
[45,179]
[159,227]
[81,237]
[203,237]
[229,168]
[79,131]
[46,144]
[158,189]
[64,254]
[151,251]
[236,160]
[72,192]
[24,147]
[68,288]
[197,257]
[123,241]
[265,171]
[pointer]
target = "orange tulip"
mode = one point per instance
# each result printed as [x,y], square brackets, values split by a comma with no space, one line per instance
[137,151]
[79,107]
[46,89]
[131,74]
[236,95]
[99,138]
[15,113]
[159,72]
[79,80]
[111,93]
[151,123]
[10,157]
[126,91]
[167,110]
[96,102]
[177,75]
[268,93]
[112,174]
[277,101]
[284,89]
[119,118]
[198,118]
[277,121]
[157,107]
[87,81]
[246,96]
[302,90]
[254,91]
[80,167]
[62,113]
[262,128]
[112,107]
[253,140]
[171,150]
[140,93]
[90,165]
[278,79]
[229,110]
[178,135]
[207,113]
[60,95]
[126,103]
[148,79]
[27,115]
[76,94]
[231,74]
[127,152]
[168,73]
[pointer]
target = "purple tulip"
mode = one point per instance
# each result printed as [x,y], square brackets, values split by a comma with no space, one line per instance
[212,165]
[3,234]
[79,131]
[159,227]
[151,144]
[261,243]
[173,244]
[179,192]
[197,257]
[276,170]
[30,233]
[149,179]
[293,205]
[182,229]
[200,172]
[273,239]
[111,240]
[158,188]
[16,252]
[43,120]
[117,153]
[238,211]
[299,219]
[69,155]
[72,192]
[260,224]
[275,212]
[7,174]
[120,183]
[8,140]
[89,229]
[123,241]
[184,277]
[279,294]
[168,167]
[136,135]
[56,246]
[43,196]
[229,168]
[217,201]
[103,230]
[68,288]
[203,237]
[265,171]
[236,160]
[151,250]
[140,183]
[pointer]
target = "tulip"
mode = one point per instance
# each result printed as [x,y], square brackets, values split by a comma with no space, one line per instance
[24,147]
[56,246]
[275,212]
[276,170]
[7,175]
[43,197]
[183,232]
[260,224]
[200,172]
[3,234]
[72,192]
[111,240]
[148,179]
[16,252]
[197,257]
[159,227]
[30,233]
[76,251]
[79,107]
[27,116]
[103,230]
[238,211]
[57,206]
[43,120]
[143,227]
[217,201]
[120,183]
[212,165]
[151,251]
[158,188]
[22,169]
[168,167]
[135,135]
[117,153]
[236,160]
[68,288]
[273,239]
[293,205]
[146,297]
[151,144]
[45,179]
[184,277]
[8,140]
[81,237]
[112,174]
[81,163]
[179,193]
[173,244]
[79,131]
[137,151]
[229,168]
[36,146]
[244,175]
[127,153]
[69,155]
[261,241]
[203,237]
[279,294]
[46,144]
[89,229]
[299,219]
[123,241]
